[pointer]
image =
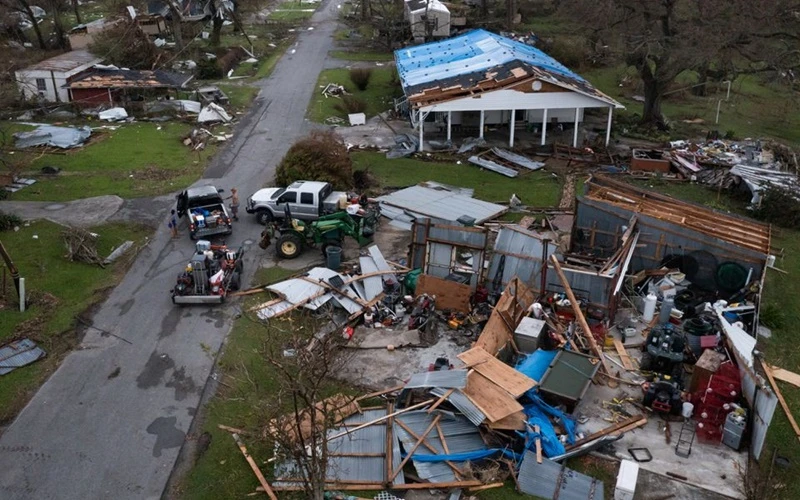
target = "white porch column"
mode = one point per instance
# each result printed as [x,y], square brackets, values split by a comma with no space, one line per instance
[511,126]
[544,126]
[421,120]
[575,132]
[449,116]
[480,134]
[608,125]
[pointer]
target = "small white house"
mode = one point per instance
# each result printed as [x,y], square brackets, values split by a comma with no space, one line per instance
[427,17]
[46,79]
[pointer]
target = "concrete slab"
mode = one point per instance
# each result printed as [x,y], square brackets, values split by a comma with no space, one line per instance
[86,212]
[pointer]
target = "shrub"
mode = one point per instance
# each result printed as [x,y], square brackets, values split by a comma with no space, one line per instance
[360,77]
[126,46]
[208,69]
[9,221]
[321,156]
[779,206]
[351,104]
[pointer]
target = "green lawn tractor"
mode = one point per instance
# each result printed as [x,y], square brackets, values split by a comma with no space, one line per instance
[329,230]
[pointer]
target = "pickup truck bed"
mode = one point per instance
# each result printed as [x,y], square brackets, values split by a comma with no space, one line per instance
[208,221]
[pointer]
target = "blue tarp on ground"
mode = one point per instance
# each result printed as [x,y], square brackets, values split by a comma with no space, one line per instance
[536,364]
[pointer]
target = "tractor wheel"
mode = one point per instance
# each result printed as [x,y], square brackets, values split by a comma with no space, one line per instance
[289,246]
[263,217]
[646,363]
[234,284]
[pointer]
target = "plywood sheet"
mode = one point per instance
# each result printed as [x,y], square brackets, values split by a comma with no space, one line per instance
[508,312]
[785,375]
[513,422]
[502,375]
[493,401]
[449,294]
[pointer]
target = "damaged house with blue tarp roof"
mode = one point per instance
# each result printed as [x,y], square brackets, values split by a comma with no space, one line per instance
[480,79]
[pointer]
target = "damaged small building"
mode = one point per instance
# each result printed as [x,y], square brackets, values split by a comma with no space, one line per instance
[122,87]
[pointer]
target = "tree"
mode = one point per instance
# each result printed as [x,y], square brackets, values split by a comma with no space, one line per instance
[23,9]
[303,408]
[55,7]
[321,156]
[176,17]
[77,11]
[125,45]
[663,38]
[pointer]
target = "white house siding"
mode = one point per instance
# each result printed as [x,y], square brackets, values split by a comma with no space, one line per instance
[26,82]
[504,99]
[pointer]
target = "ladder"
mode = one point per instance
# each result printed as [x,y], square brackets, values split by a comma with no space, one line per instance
[683,448]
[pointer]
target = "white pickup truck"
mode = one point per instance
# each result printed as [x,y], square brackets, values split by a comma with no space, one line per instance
[307,200]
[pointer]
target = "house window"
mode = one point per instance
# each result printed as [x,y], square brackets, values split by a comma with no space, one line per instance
[41,84]
[307,198]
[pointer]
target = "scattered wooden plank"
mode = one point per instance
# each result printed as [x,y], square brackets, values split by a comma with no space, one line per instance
[232,429]
[441,400]
[427,445]
[381,419]
[782,401]
[502,375]
[623,355]
[485,487]
[444,446]
[513,422]
[637,420]
[491,399]
[336,408]
[785,375]
[538,443]
[379,393]
[419,441]
[254,466]
[576,308]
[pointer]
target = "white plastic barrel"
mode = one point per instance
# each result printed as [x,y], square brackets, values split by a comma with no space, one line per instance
[649,307]
[687,410]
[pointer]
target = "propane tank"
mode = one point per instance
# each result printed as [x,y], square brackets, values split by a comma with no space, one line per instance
[649,307]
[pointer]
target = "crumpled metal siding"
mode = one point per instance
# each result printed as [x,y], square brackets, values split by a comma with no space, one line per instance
[442,204]
[51,135]
[511,243]
[460,435]
[371,439]
[447,379]
[551,480]
[463,404]
[19,353]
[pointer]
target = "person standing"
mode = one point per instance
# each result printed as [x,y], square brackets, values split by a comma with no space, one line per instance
[234,197]
[173,223]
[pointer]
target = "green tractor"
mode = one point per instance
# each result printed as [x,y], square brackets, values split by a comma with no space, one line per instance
[329,230]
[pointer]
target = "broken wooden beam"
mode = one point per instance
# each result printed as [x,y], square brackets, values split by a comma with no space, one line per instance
[254,466]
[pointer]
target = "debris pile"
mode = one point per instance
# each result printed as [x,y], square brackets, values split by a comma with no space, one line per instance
[81,246]
[51,135]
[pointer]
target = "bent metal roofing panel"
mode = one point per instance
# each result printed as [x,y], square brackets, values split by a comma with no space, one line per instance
[480,56]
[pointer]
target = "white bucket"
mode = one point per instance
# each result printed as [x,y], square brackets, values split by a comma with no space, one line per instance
[687,410]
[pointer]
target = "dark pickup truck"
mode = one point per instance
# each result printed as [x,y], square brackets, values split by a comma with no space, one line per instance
[206,212]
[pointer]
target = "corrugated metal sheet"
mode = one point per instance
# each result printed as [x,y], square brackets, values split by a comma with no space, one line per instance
[298,290]
[446,379]
[460,435]
[494,167]
[551,480]
[19,353]
[380,263]
[440,256]
[586,285]
[463,404]
[373,285]
[442,204]
[522,250]
[369,440]
[518,159]
[65,62]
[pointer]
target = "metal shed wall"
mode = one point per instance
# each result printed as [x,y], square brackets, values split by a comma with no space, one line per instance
[523,252]
[433,247]
[658,238]
[589,286]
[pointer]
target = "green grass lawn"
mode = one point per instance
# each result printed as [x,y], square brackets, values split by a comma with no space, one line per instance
[380,91]
[755,108]
[535,188]
[247,383]
[286,15]
[357,55]
[59,290]
[136,160]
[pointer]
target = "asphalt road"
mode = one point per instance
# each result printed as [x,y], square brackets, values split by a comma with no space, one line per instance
[109,423]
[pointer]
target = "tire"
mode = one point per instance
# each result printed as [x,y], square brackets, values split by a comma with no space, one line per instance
[235,282]
[239,266]
[263,217]
[289,246]
[646,362]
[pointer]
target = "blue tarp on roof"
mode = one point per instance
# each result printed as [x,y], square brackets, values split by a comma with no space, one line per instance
[471,52]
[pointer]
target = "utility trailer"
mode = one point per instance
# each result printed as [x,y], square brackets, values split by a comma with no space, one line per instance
[211,274]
